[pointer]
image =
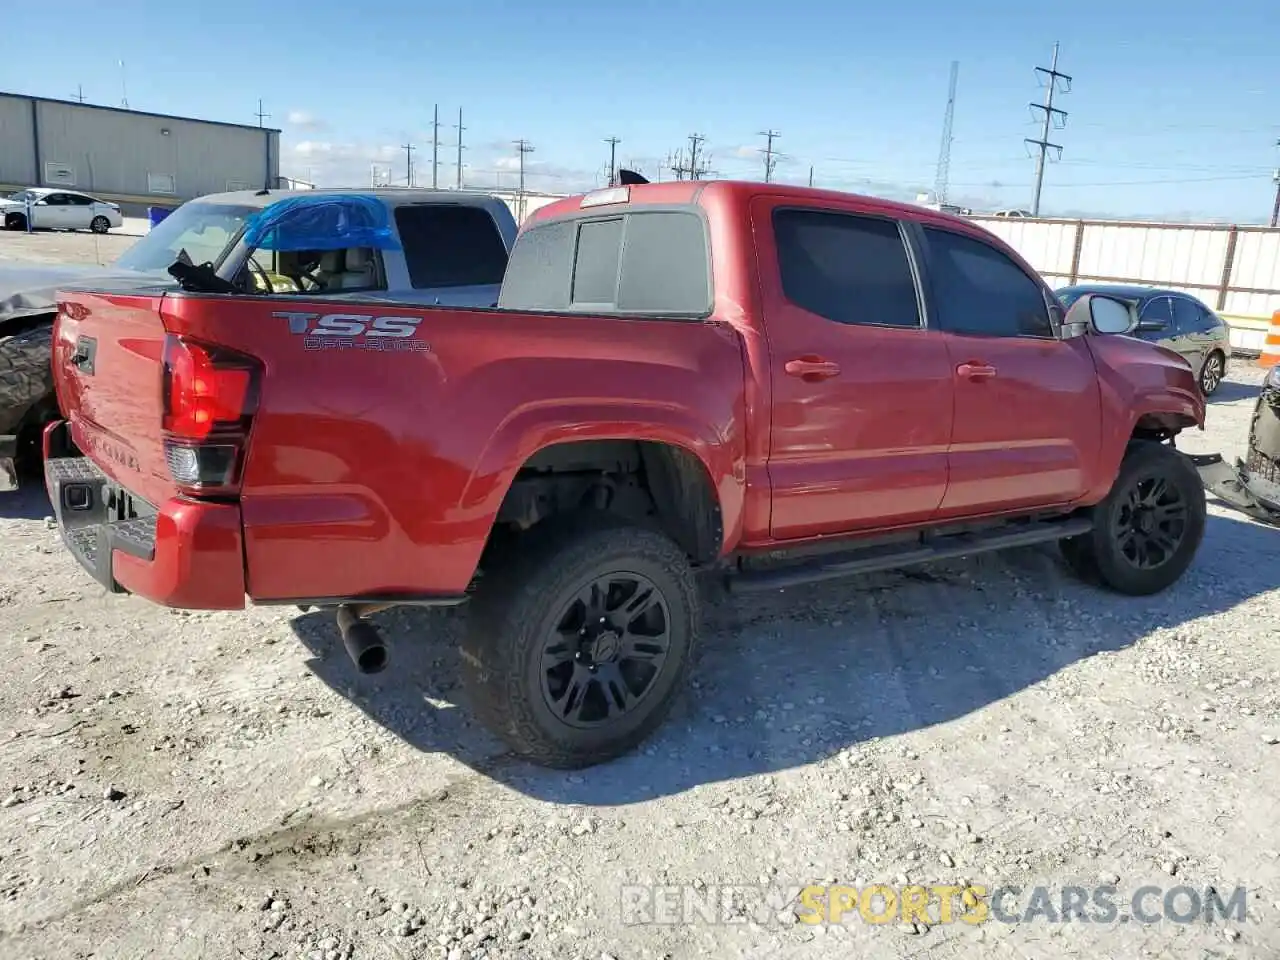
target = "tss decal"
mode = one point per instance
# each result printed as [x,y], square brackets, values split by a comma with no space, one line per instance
[355,331]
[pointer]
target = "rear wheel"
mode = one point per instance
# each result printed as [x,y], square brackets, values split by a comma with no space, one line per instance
[26,375]
[1148,529]
[1211,374]
[100,225]
[580,640]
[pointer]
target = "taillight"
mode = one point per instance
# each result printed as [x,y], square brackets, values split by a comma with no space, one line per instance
[210,397]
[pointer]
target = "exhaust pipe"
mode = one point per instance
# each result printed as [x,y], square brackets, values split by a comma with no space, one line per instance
[364,644]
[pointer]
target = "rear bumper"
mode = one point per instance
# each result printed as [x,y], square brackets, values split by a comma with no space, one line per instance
[181,553]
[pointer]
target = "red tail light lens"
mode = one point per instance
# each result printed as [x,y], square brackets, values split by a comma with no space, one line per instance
[210,397]
[206,390]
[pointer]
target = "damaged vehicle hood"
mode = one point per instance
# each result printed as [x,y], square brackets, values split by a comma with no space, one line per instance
[28,289]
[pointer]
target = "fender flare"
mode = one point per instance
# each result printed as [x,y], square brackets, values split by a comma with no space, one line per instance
[534,428]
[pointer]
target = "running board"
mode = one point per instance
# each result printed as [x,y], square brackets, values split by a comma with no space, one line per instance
[896,556]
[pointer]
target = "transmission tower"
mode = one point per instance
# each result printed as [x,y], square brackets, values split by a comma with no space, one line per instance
[1052,116]
[944,151]
[770,155]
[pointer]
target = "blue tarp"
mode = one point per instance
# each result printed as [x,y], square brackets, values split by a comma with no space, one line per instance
[322,222]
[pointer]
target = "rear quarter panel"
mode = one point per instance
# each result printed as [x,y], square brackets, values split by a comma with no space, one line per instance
[375,471]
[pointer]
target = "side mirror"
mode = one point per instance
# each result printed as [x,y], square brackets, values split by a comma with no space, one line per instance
[41,203]
[1099,314]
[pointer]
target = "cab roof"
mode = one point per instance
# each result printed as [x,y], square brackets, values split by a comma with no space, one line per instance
[737,192]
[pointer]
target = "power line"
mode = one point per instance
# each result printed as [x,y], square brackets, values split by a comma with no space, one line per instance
[260,115]
[460,128]
[944,151]
[408,164]
[770,155]
[1051,115]
[613,158]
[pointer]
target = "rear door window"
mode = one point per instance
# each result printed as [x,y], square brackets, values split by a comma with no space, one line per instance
[849,269]
[979,290]
[1188,316]
[450,245]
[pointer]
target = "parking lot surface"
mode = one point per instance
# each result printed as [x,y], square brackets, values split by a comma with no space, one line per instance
[179,784]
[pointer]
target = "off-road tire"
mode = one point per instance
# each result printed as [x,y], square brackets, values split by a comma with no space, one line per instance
[516,606]
[26,374]
[1097,556]
[99,224]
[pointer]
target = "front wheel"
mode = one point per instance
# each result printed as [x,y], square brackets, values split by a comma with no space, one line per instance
[15,221]
[100,225]
[1148,529]
[580,639]
[1211,374]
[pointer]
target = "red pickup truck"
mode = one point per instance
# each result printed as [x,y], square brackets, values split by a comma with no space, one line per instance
[771,384]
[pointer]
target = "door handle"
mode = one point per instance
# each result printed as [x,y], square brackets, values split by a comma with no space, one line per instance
[812,369]
[975,371]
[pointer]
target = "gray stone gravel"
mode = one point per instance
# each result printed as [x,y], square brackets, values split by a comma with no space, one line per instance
[224,785]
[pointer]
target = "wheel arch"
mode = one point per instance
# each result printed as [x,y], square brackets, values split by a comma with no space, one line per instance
[695,481]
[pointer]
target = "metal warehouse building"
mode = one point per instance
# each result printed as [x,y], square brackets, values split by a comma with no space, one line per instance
[130,157]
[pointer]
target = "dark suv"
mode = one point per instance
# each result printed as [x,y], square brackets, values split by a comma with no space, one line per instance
[1174,320]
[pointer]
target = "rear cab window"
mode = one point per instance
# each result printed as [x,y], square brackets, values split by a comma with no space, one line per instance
[450,245]
[645,260]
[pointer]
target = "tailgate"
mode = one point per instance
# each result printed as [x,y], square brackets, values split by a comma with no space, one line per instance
[107,367]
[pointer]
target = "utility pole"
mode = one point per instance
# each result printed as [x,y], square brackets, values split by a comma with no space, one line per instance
[408,164]
[124,86]
[522,147]
[811,174]
[1052,115]
[260,115]
[613,159]
[944,151]
[460,129]
[79,97]
[770,155]
[695,172]
[1275,210]
[435,148]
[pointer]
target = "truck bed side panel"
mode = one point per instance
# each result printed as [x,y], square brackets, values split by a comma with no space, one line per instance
[377,463]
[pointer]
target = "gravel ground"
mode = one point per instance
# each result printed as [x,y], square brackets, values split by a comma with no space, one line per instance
[181,785]
[62,246]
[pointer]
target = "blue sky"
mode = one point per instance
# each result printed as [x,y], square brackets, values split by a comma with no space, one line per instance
[1174,109]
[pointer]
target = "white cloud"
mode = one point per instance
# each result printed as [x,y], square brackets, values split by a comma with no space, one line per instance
[327,163]
[305,120]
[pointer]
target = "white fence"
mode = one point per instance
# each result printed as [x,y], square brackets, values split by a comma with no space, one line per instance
[1235,270]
